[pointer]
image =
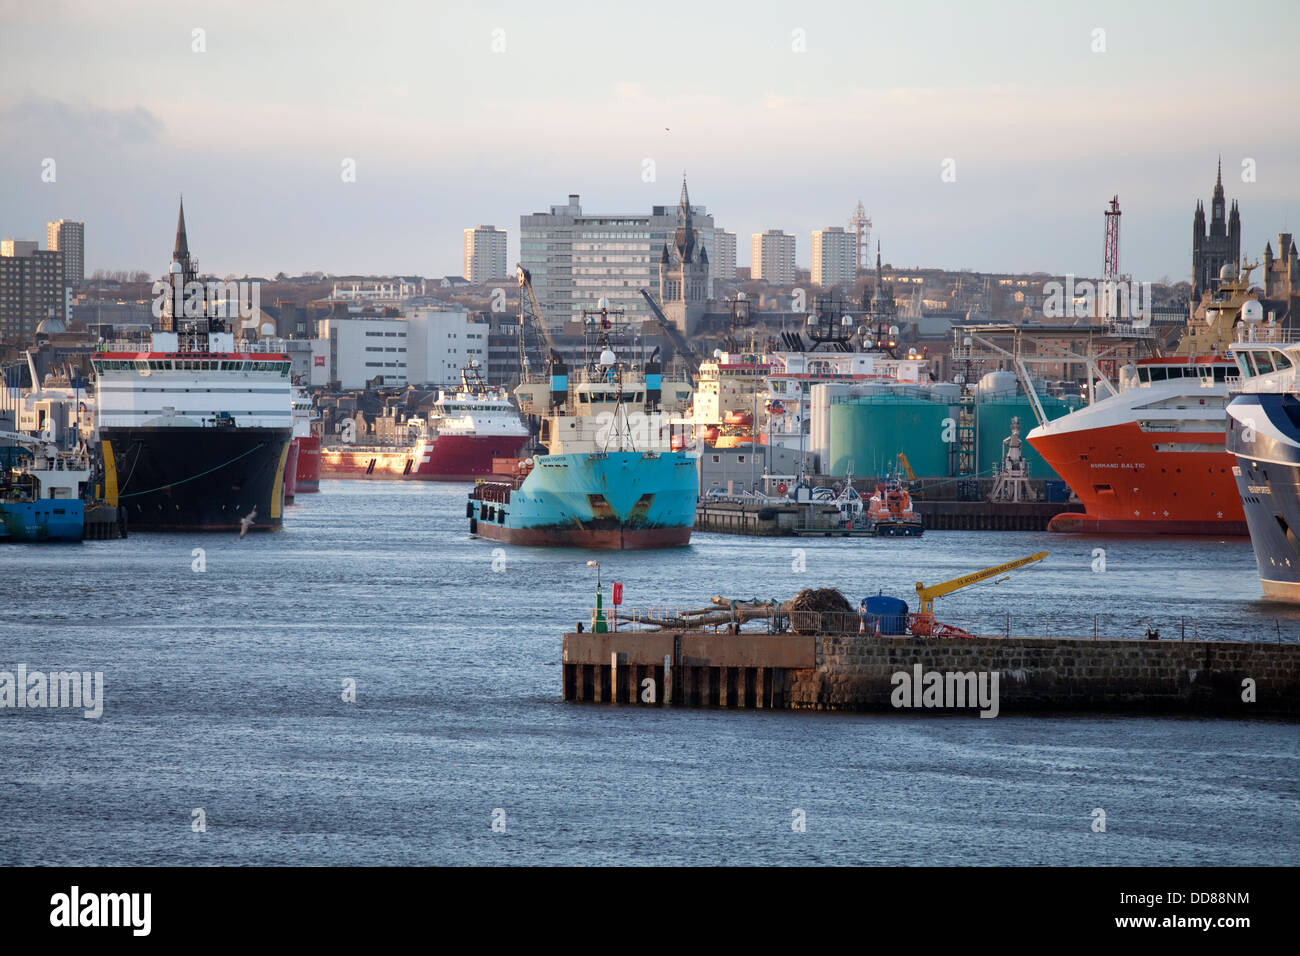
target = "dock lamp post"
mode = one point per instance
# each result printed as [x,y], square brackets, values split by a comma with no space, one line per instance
[598,623]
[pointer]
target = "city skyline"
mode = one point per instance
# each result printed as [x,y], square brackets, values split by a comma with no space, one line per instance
[989,140]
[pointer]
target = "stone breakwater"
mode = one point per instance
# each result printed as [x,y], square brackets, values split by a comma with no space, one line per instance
[851,672]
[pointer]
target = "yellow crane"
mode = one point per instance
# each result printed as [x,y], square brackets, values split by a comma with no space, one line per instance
[907,467]
[923,621]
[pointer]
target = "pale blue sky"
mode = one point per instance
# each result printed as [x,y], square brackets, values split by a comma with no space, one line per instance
[447,133]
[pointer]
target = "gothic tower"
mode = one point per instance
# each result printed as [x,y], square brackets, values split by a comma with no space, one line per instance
[1217,245]
[684,271]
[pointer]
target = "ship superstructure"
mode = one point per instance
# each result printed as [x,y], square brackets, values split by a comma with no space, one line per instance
[194,428]
[467,429]
[1150,457]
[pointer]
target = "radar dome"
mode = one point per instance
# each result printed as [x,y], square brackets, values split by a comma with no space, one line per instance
[847,321]
[742,296]
[812,320]
[893,330]
[175,268]
[603,304]
[608,358]
[1228,271]
[1252,311]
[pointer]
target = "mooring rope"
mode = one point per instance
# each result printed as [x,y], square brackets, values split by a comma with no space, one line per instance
[173,484]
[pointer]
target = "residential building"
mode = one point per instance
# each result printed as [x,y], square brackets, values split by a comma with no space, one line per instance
[772,257]
[577,258]
[485,254]
[834,257]
[724,255]
[69,238]
[32,289]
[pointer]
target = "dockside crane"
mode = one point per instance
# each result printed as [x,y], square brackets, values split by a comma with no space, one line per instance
[923,624]
[680,345]
[536,345]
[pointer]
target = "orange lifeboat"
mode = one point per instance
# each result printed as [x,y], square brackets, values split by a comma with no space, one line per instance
[738,418]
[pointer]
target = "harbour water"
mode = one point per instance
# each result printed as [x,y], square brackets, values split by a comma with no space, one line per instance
[224,694]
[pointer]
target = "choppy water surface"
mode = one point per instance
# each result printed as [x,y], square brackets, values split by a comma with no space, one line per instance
[224,694]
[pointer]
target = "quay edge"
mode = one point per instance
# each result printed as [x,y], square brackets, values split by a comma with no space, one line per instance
[851,672]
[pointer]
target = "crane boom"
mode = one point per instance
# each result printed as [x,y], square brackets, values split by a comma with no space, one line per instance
[675,336]
[535,341]
[928,594]
[907,466]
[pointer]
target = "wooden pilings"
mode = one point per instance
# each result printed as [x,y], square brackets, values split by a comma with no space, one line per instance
[751,688]
[686,668]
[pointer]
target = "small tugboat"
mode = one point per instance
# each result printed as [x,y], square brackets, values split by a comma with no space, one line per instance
[41,495]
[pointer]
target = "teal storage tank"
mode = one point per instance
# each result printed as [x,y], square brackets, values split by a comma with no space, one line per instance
[993,424]
[866,435]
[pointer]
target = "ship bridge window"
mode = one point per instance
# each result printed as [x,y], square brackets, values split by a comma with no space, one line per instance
[1244,363]
[1281,361]
[1220,373]
[1158,373]
[1263,362]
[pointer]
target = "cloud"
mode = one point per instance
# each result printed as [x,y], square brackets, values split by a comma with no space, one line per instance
[41,119]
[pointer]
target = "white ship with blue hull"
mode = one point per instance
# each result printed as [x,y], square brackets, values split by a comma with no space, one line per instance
[1264,435]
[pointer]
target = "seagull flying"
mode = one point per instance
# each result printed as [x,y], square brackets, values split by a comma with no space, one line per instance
[246,522]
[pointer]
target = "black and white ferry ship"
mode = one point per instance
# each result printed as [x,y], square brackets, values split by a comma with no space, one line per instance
[1264,435]
[194,429]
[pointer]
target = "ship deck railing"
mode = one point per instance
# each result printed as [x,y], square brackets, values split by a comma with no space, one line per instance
[145,344]
[1260,334]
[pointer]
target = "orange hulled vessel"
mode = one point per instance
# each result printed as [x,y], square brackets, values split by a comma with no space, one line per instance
[1150,457]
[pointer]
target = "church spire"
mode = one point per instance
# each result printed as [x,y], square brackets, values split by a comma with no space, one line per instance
[182,251]
[684,239]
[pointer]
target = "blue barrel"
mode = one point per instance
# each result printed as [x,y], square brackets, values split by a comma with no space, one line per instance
[890,611]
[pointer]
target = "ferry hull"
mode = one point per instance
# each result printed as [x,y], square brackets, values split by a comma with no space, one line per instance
[307,477]
[196,479]
[446,458]
[605,501]
[1136,482]
[291,471]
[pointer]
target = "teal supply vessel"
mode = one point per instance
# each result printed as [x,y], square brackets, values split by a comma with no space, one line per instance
[617,475]
[618,500]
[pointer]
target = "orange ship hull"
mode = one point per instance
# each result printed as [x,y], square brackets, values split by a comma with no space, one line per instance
[1137,482]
